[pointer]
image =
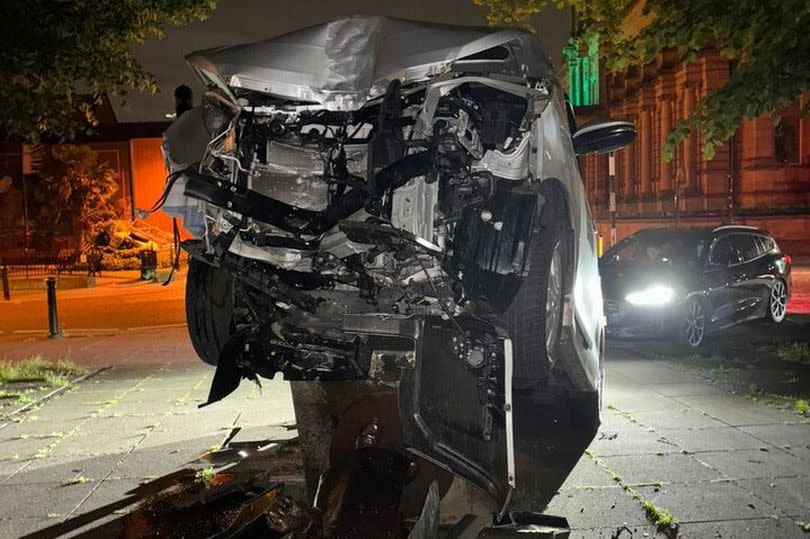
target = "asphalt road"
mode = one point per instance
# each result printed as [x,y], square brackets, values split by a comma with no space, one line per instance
[119,304]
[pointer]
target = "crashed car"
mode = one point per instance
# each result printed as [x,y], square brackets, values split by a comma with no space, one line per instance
[399,203]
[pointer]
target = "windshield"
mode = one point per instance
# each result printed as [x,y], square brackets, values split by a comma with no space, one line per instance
[656,249]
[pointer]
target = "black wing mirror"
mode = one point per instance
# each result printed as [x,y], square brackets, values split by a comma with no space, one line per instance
[603,137]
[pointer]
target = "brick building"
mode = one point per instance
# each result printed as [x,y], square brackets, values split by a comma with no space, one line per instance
[761,177]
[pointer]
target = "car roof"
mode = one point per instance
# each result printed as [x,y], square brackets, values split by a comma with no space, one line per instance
[346,62]
[706,231]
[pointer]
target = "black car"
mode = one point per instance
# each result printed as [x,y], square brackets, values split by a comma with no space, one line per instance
[688,283]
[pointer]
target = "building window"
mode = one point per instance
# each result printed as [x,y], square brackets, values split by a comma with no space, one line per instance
[786,142]
[583,71]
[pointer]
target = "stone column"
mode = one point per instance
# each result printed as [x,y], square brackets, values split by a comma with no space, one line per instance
[665,95]
[714,174]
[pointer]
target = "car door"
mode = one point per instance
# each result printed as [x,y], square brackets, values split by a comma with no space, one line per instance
[720,275]
[748,276]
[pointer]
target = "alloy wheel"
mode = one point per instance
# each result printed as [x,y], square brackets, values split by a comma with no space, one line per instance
[695,324]
[778,301]
[553,298]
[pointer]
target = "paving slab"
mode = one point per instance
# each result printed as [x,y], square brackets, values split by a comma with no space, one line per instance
[636,400]
[587,474]
[106,492]
[707,501]
[736,411]
[781,528]
[38,500]
[723,438]
[751,464]
[620,531]
[65,470]
[672,467]
[592,508]
[688,389]
[633,441]
[794,438]
[149,464]
[790,495]
[13,528]
[678,417]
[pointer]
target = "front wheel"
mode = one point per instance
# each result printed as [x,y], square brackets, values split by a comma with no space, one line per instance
[209,309]
[534,317]
[777,301]
[694,325]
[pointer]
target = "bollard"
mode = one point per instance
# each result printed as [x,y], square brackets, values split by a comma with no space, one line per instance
[53,318]
[6,288]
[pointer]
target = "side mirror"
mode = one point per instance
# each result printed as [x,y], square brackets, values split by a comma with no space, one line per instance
[603,137]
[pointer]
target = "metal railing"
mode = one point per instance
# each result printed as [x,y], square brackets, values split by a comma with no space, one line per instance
[42,265]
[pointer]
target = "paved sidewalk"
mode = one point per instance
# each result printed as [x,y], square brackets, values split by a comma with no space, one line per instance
[118,429]
[721,463]
[725,466]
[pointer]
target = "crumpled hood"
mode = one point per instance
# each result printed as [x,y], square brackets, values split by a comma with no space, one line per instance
[342,64]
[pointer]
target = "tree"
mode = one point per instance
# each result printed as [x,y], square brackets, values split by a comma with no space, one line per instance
[765,39]
[58,58]
[75,194]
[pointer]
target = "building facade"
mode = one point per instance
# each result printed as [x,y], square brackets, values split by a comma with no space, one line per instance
[761,177]
[131,150]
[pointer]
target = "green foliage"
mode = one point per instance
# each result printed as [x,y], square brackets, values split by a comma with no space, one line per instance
[802,407]
[58,59]
[75,193]
[765,40]
[206,475]
[798,352]
[662,518]
[35,369]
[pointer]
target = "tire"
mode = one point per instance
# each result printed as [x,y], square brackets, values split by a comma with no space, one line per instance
[209,309]
[694,324]
[777,301]
[534,318]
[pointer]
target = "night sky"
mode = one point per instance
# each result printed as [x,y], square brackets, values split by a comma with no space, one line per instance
[244,21]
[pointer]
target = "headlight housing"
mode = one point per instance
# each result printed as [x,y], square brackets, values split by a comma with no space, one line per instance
[654,295]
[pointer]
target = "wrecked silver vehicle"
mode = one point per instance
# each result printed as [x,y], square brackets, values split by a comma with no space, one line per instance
[399,203]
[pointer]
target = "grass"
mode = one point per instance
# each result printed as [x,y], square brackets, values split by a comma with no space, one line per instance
[798,352]
[802,407]
[78,480]
[662,518]
[38,369]
[206,475]
[34,370]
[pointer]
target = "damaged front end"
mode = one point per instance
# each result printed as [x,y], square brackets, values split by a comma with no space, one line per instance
[376,236]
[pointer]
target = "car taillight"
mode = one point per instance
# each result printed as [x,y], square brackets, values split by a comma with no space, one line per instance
[787,259]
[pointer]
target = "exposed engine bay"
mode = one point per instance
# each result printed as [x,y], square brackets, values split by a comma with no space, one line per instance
[420,203]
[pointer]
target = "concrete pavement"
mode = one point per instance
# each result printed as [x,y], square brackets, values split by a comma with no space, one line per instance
[120,428]
[722,464]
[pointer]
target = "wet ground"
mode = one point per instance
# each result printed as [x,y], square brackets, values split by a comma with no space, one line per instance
[687,435]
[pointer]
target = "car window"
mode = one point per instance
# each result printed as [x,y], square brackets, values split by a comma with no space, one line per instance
[723,253]
[768,244]
[624,252]
[746,246]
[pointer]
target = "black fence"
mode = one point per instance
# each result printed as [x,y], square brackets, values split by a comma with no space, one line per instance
[42,265]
